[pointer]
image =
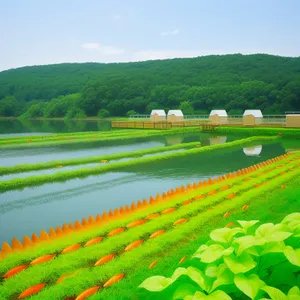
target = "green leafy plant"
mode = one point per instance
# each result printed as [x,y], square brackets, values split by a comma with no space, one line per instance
[248,261]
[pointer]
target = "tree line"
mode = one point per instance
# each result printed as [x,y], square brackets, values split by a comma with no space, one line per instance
[195,85]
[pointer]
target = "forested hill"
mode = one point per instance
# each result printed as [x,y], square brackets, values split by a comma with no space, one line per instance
[197,85]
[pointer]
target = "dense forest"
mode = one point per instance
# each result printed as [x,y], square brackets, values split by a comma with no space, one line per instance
[195,85]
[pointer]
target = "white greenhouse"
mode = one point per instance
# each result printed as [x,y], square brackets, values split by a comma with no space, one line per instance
[157,115]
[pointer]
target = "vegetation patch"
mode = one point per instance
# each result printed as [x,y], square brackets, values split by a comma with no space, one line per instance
[118,135]
[284,132]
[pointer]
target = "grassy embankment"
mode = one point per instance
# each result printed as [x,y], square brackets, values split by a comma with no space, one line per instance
[93,159]
[197,213]
[18,183]
[44,141]
[284,132]
[19,140]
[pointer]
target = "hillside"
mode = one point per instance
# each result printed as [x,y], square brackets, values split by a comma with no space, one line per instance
[234,82]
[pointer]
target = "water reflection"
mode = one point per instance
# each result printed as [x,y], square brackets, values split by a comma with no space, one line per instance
[218,140]
[174,140]
[253,151]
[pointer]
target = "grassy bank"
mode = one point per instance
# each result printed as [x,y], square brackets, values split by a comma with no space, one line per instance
[66,136]
[19,183]
[198,213]
[285,132]
[94,159]
[118,135]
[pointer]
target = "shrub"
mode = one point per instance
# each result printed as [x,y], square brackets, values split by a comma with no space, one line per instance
[103,113]
[248,261]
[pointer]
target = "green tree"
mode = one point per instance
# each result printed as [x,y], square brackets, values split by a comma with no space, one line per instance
[131,113]
[103,113]
[186,107]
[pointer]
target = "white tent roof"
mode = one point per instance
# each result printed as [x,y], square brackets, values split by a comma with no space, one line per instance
[253,151]
[175,112]
[219,112]
[159,112]
[255,112]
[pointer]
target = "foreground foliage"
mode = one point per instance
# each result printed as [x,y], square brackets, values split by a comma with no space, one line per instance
[249,259]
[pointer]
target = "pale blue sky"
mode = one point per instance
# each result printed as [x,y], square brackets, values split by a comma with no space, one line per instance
[35,32]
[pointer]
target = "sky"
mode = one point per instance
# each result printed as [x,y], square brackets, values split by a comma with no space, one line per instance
[39,32]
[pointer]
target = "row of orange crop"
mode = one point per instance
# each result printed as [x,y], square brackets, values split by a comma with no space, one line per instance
[120,212]
[34,289]
[90,291]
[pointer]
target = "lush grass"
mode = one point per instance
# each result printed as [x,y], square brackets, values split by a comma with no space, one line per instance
[125,263]
[285,132]
[140,134]
[65,136]
[63,263]
[18,183]
[93,159]
[277,203]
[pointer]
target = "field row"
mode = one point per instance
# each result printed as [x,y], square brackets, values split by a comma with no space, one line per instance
[45,142]
[65,136]
[94,159]
[284,132]
[190,211]
[19,183]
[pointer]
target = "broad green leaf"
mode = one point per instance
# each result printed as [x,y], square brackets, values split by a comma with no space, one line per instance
[246,242]
[198,277]
[178,272]
[223,279]
[292,255]
[211,271]
[274,293]
[228,251]
[241,264]
[156,283]
[291,217]
[252,251]
[249,285]
[196,296]
[212,253]
[294,293]
[294,226]
[264,229]
[278,236]
[221,269]
[219,235]
[184,290]
[224,235]
[247,224]
[273,247]
[217,295]
[200,251]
